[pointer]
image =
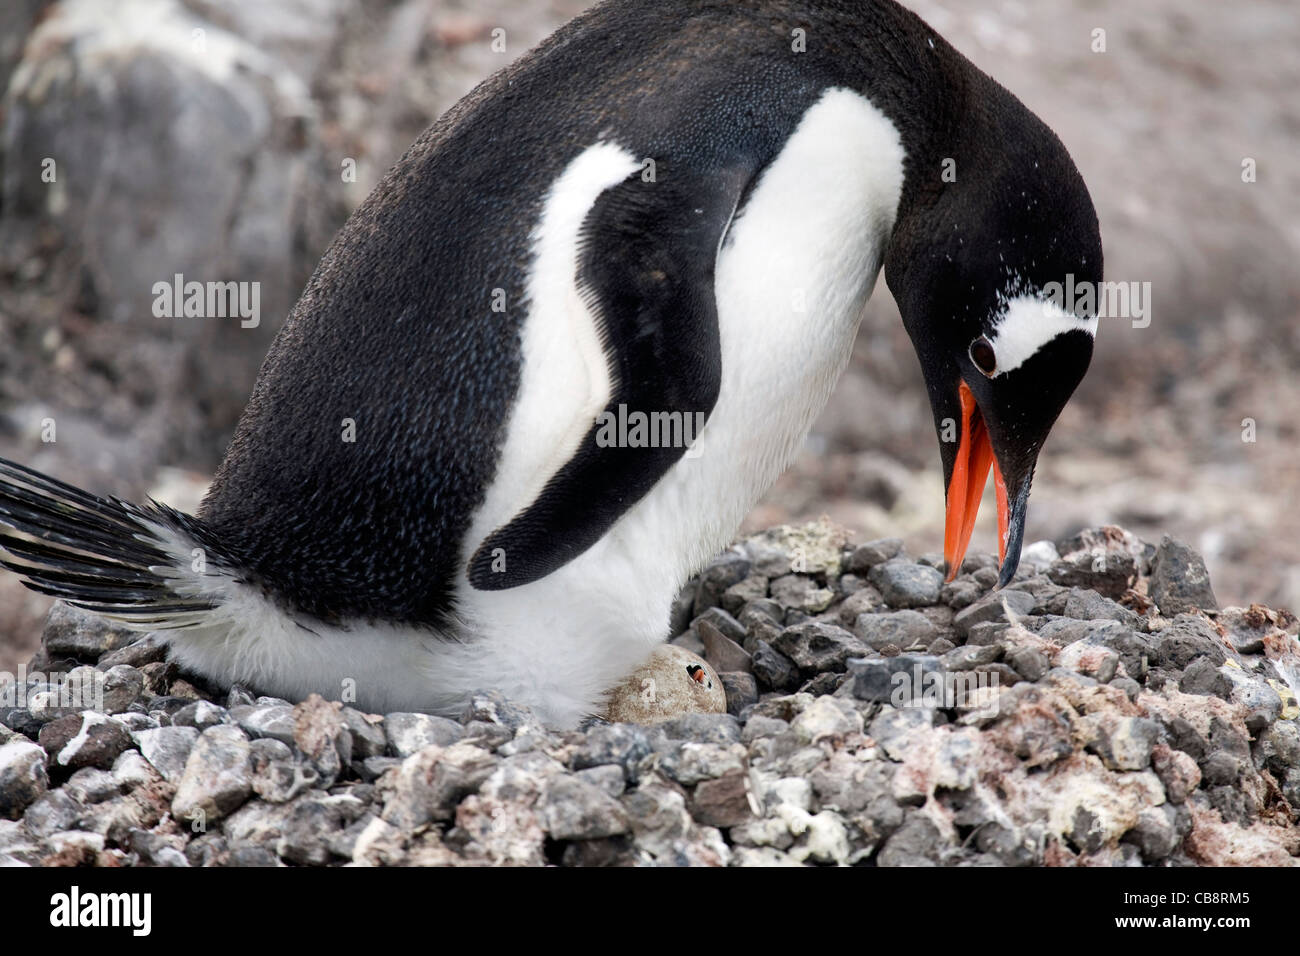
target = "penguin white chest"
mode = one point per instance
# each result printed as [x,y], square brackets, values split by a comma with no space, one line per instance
[792,277]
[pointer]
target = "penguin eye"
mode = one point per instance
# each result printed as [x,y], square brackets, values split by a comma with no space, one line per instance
[981,353]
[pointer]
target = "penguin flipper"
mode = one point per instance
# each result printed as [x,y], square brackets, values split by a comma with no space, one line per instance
[645,270]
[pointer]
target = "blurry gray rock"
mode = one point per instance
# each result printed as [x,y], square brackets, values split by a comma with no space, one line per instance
[201,715]
[265,720]
[623,745]
[122,687]
[900,628]
[71,632]
[802,593]
[866,556]
[217,777]
[22,777]
[741,688]
[887,679]
[1103,559]
[773,670]
[177,152]
[728,568]
[167,749]
[993,608]
[721,651]
[1179,579]
[575,809]
[1123,743]
[145,649]
[408,733]
[816,648]
[904,584]
[85,740]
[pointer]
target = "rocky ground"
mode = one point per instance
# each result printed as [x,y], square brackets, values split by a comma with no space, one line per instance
[1159,124]
[1101,710]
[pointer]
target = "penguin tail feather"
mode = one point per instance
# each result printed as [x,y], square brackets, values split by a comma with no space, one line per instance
[130,563]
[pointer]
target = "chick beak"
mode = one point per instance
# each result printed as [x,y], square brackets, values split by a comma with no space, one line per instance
[966,487]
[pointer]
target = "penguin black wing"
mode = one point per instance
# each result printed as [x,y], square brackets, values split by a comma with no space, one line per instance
[646,263]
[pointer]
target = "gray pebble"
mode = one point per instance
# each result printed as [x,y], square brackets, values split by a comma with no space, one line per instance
[408,733]
[1179,579]
[906,585]
[167,749]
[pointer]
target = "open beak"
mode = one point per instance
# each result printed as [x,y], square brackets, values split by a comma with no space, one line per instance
[966,487]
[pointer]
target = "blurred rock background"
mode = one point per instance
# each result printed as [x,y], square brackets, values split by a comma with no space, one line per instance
[210,138]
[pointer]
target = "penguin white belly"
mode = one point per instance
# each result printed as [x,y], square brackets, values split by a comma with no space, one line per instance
[791,279]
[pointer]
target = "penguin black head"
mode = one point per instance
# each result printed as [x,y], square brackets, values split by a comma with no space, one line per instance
[992,275]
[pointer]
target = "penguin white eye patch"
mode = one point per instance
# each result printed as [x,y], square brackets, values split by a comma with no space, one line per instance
[1021,330]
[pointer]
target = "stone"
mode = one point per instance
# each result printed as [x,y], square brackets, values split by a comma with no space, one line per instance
[265,720]
[429,783]
[149,649]
[606,777]
[1029,662]
[122,687]
[88,739]
[720,651]
[723,801]
[916,843]
[816,648]
[1187,639]
[310,835]
[801,593]
[369,734]
[719,729]
[993,608]
[1179,579]
[217,777]
[741,689]
[970,656]
[72,632]
[201,715]
[23,778]
[894,679]
[167,749]
[906,585]
[772,669]
[1123,743]
[670,683]
[623,745]
[688,761]
[866,556]
[902,628]
[827,718]
[1102,559]
[1156,833]
[1039,556]
[1092,659]
[752,588]
[409,733]
[728,568]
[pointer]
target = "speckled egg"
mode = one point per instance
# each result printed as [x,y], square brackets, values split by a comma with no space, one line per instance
[671,682]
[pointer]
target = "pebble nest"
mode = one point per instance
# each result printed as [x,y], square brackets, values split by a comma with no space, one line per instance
[1123,719]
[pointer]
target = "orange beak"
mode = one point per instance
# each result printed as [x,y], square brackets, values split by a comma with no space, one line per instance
[969,475]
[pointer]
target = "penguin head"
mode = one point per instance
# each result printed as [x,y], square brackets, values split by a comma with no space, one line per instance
[991,279]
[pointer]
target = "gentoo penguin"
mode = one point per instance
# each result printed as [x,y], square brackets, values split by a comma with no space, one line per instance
[544,370]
